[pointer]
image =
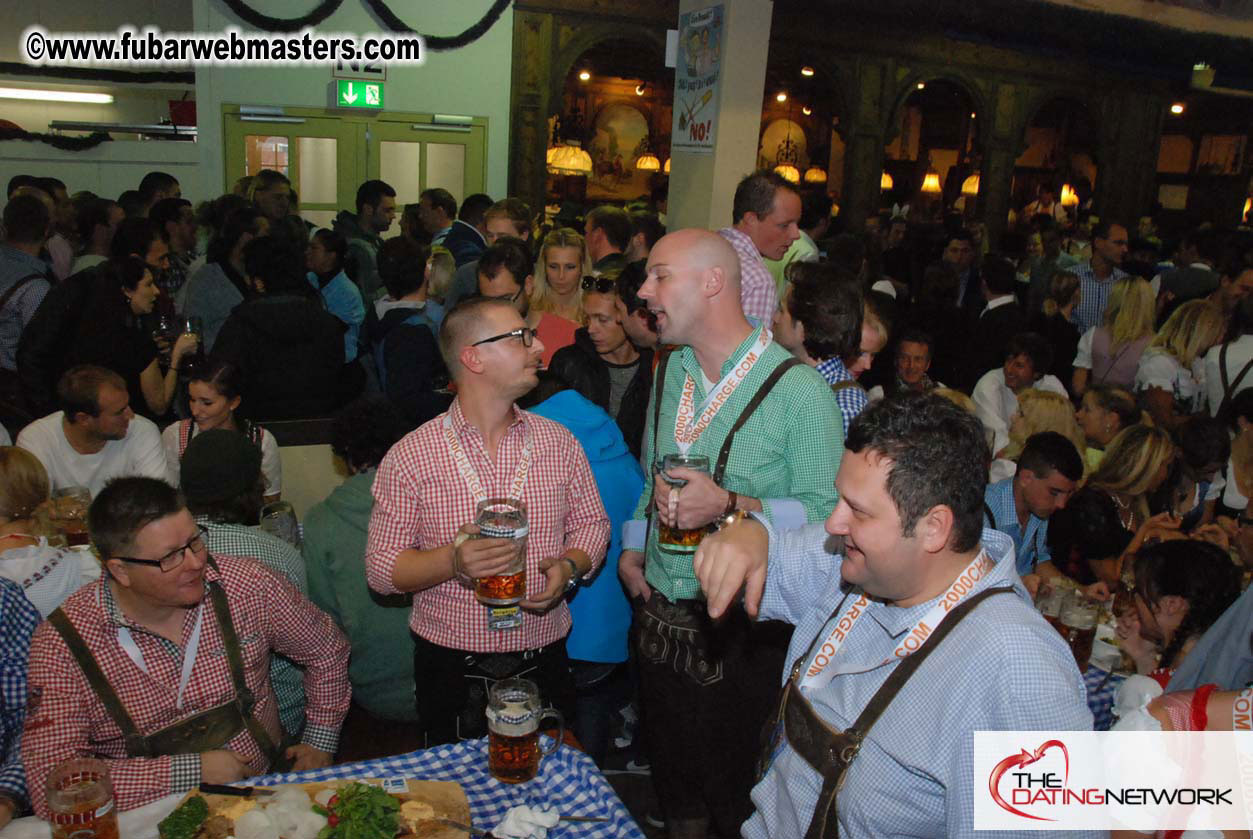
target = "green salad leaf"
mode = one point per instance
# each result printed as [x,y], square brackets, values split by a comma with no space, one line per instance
[186,820]
[361,811]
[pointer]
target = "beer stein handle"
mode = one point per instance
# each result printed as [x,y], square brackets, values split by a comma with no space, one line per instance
[561,729]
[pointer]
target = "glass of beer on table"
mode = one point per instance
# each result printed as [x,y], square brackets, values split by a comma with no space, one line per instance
[503,518]
[1079,628]
[80,800]
[69,514]
[513,722]
[674,539]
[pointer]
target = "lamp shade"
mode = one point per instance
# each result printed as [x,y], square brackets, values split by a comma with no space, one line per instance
[1069,197]
[885,182]
[970,186]
[931,184]
[552,152]
[788,172]
[815,175]
[648,162]
[1248,205]
[666,168]
[570,160]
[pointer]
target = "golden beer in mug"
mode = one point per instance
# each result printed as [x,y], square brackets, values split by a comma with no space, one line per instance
[503,518]
[80,800]
[675,539]
[513,720]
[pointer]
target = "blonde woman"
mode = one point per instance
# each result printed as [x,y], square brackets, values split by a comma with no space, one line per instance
[561,266]
[1102,413]
[1170,379]
[1038,410]
[1110,353]
[47,574]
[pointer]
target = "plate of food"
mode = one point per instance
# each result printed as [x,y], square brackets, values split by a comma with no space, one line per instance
[368,808]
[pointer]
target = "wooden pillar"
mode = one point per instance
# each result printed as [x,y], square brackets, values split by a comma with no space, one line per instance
[863,157]
[1001,150]
[532,67]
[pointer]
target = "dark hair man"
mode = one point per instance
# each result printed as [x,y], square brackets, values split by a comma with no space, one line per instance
[764,216]
[437,209]
[176,221]
[467,236]
[603,365]
[23,275]
[782,460]
[95,436]
[1027,357]
[959,254]
[1001,319]
[376,207]
[819,321]
[913,360]
[155,186]
[97,220]
[60,243]
[220,477]
[426,492]
[509,217]
[638,322]
[506,273]
[646,229]
[1019,506]
[105,683]
[814,222]
[1098,275]
[908,544]
[607,231]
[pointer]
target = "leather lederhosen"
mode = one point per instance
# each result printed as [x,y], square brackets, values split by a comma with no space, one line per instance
[206,731]
[828,751]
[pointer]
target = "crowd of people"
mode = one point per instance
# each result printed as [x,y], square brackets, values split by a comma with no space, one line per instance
[842,422]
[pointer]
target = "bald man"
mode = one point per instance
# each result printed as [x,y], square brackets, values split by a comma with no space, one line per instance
[420,537]
[771,434]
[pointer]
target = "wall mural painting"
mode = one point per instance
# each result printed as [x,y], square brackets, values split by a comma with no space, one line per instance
[618,138]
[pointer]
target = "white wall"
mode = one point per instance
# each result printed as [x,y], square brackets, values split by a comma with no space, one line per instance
[109,168]
[473,80]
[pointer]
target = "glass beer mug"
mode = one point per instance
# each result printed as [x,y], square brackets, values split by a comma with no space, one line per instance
[503,518]
[672,539]
[1079,628]
[80,800]
[513,718]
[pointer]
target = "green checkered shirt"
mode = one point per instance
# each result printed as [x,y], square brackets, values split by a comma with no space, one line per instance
[786,455]
[286,677]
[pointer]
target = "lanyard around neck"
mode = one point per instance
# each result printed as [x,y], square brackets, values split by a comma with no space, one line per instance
[691,420]
[470,476]
[127,642]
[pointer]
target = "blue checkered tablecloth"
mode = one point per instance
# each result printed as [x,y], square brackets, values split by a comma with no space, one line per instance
[568,780]
[1101,686]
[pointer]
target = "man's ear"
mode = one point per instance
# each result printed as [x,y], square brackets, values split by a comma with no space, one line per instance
[715,279]
[528,285]
[117,568]
[1172,604]
[470,359]
[934,528]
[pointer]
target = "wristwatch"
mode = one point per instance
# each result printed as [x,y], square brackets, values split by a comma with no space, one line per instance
[732,518]
[575,576]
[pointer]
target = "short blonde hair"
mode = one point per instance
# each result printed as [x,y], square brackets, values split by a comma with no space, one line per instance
[1129,312]
[562,237]
[440,266]
[958,398]
[1045,411]
[23,483]
[1190,331]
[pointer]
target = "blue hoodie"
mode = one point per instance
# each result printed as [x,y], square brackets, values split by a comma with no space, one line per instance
[600,610]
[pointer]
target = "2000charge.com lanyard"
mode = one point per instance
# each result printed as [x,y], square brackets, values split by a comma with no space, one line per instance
[820,670]
[471,477]
[690,422]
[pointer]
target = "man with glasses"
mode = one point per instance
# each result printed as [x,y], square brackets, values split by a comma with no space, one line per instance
[506,273]
[161,667]
[603,365]
[507,218]
[422,534]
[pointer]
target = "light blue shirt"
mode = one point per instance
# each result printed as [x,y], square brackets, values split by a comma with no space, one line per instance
[1031,547]
[343,300]
[1093,295]
[1222,656]
[1001,668]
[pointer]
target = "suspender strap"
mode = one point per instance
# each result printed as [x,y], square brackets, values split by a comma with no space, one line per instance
[243,694]
[13,289]
[136,743]
[1229,388]
[762,392]
[658,387]
[831,752]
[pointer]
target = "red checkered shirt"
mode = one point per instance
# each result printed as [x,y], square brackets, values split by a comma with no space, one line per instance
[420,500]
[758,294]
[67,719]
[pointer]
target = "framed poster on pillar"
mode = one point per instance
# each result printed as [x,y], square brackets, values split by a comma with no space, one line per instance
[696,77]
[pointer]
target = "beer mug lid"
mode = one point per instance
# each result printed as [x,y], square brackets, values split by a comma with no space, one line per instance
[493,531]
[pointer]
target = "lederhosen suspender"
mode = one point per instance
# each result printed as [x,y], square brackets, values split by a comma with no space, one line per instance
[724,453]
[828,751]
[208,730]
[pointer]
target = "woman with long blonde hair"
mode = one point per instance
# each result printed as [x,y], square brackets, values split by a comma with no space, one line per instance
[1038,410]
[558,271]
[1167,381]
[1110,353]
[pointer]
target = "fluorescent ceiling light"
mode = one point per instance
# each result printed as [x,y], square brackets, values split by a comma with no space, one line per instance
[55,95]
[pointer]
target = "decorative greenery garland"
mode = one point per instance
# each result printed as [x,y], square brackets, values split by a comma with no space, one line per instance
[276,24]
[58,141]
[439,43]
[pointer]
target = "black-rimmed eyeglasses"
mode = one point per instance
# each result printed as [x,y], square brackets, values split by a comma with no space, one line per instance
[175,557]
[602,285]
[525,333]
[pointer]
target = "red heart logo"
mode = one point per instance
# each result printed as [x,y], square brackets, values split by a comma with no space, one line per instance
[1024,758]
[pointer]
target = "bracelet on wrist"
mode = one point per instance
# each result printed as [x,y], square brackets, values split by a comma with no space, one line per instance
[575,576]
[732,498]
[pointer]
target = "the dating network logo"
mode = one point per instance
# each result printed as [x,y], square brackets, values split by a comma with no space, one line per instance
[1023,792]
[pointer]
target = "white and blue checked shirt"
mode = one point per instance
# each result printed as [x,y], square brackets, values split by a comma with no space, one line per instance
[18,619]
[1093,294]
[1001,668]
[852,400]
[1031,547]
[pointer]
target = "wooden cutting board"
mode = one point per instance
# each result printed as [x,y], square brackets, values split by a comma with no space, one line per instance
[447,798]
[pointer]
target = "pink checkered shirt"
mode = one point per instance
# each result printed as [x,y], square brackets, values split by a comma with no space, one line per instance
[758,295]
[67,719]
[420,500]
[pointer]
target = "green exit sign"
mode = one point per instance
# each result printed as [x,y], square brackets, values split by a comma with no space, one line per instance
[350,93]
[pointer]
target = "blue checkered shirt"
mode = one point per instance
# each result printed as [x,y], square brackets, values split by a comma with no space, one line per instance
[18,619]
[1031,547]
[851,398]
[18,311]
[1002,668]
[1093,294]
